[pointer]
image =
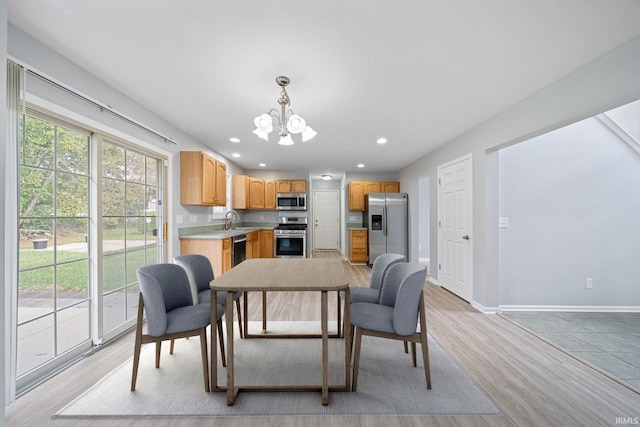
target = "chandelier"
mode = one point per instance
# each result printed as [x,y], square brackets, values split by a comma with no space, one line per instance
[288,122]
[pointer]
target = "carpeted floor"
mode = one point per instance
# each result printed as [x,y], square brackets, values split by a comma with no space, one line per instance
[387,383]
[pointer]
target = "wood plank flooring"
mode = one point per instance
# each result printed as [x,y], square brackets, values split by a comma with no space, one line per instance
[532,383]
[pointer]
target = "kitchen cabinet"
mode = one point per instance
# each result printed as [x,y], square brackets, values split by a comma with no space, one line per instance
[218,251]
[371,187]
[358,189]
[270,194]
[227,255]
[247,192]
[356,196]
[203,179]
[291,186]
[358,246]
[266,243]
[389,187]
[253,245]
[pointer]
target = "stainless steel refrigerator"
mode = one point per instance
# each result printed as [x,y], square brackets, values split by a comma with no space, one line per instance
[386,219]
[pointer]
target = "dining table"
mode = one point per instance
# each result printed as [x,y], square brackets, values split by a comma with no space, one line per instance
[278,275]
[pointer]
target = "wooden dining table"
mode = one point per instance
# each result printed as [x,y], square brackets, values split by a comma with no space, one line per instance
[277,275]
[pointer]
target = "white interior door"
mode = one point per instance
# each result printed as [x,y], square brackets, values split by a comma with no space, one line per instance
[455,226]
[326,219]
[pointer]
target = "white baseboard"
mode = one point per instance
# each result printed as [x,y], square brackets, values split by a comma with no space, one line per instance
[576,308]
[486,310]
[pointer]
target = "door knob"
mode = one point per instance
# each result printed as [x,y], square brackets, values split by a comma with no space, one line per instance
[465,237]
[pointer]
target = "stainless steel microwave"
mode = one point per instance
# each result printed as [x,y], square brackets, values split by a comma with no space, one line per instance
[291,202]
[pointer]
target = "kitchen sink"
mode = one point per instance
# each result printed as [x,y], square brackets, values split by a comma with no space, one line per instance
[243,228]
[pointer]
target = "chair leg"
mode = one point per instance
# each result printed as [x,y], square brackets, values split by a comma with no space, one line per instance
[205,359]
[239,317]
[406,347]
[356,359]
[423,341]
[171,346]
[221,342]
[158,348]
[137,346]
[413,354]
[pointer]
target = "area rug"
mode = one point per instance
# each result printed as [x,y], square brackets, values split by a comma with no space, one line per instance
[388,384]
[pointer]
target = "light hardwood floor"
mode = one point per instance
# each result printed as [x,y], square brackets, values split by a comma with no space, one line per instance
[531,383]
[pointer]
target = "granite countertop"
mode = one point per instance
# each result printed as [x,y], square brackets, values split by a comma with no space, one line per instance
[356,227]
[219,233]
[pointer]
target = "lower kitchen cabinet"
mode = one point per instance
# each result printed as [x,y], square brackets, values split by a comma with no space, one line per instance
[217,250]
[358,246]
[253,245]
[266,243]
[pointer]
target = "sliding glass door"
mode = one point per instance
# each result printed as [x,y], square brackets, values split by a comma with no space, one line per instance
[90,214]
[53,281]
[131,239]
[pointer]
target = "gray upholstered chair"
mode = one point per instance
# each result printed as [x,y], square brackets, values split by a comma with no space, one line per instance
[165,297]
[372,293]
[200,272]
[396,316]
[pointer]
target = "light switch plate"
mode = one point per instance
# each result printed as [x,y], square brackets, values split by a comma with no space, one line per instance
[178,219]
[503,222]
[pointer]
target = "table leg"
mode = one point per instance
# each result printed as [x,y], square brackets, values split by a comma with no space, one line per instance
[214,339]
[347,340]
[325,348]
[264,312]
[246,313]
[229,320]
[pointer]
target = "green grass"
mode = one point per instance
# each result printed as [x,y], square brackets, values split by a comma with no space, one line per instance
[37,267]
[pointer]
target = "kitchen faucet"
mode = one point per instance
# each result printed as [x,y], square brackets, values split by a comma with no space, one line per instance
[228,221]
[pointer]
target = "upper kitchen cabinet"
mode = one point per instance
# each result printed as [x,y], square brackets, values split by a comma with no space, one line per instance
[291,186]
[202,179]
[270,193]
[247,192]
[356,196]
[358,189]
[389,187]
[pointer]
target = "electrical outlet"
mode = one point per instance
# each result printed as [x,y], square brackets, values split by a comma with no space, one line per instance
[503,222]
[193,219]
[178,219]
[589,283]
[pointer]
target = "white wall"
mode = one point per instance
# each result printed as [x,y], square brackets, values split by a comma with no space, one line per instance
[607,82]
[571,197]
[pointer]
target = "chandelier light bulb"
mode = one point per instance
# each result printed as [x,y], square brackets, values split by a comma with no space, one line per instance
[296,124]
[285,140]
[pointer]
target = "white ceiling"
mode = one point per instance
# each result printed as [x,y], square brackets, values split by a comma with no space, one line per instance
[418,72]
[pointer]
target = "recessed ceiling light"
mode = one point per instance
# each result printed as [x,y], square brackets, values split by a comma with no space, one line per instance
[382,140]
[234,139]
[361,165]
[235,155]
[262,165]
[326,177]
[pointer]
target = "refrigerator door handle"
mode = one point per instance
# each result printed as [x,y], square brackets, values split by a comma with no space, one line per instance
[384,220]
